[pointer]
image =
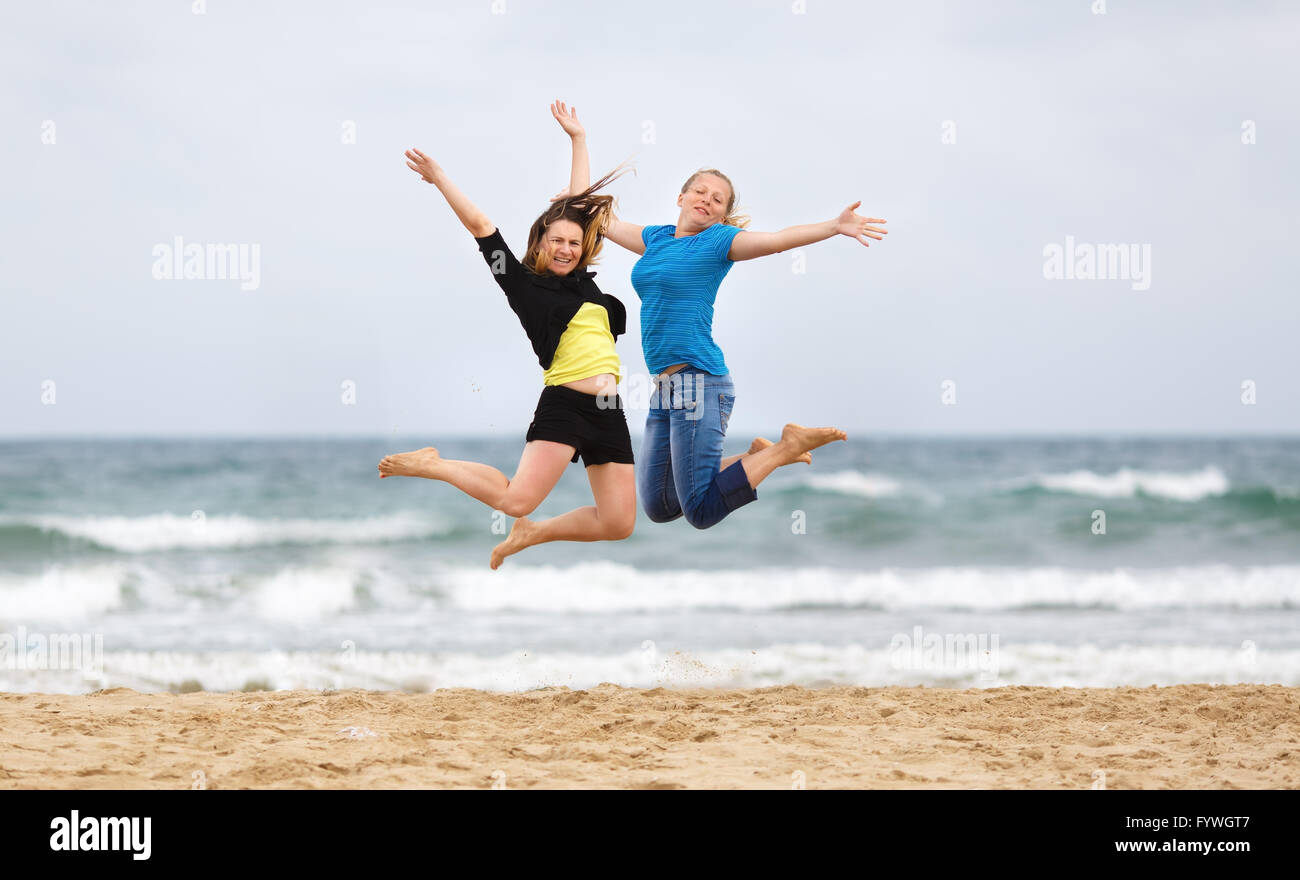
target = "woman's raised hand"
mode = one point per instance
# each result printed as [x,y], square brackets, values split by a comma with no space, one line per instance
[850,224]
[568,119]
[422,164]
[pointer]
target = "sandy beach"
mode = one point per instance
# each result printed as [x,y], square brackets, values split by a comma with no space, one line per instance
[1186,736]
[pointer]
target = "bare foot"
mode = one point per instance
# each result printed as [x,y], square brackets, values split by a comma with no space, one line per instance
[421,463]
[763,443]
[521,536]
[799,440]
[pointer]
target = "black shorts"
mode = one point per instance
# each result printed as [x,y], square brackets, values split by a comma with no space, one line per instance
[597,433]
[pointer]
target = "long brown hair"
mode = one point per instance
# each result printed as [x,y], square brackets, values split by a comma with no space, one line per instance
[732,218]
[588,210]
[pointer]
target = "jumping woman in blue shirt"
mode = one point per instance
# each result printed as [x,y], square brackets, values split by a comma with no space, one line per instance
[681,472]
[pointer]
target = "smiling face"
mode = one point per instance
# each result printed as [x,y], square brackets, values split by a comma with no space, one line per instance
[704,202]
[563,245]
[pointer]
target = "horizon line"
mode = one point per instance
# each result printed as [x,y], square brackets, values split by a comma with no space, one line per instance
[736,434]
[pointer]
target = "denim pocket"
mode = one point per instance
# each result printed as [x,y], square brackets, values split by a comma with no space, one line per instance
[725,403]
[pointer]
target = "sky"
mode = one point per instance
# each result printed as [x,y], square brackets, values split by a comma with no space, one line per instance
[989,135]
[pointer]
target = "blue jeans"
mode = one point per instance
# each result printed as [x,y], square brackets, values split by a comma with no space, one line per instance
[678,471]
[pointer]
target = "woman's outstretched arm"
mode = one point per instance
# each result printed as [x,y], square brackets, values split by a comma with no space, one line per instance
[580,173]
[627,235]
[751,245]
[475,220]
[624,234]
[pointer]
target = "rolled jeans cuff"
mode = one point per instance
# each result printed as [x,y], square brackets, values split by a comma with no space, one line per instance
[733,483]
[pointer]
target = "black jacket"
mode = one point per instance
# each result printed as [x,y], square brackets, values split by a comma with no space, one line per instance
[546,303]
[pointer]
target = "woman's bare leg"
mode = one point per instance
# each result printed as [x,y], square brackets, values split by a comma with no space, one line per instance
[613,487]
[796,441]
[540,467]
[759,444]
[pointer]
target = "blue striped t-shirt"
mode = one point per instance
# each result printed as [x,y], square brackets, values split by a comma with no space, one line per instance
[677,280]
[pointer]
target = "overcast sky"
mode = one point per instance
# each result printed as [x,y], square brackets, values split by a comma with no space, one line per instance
[984,132]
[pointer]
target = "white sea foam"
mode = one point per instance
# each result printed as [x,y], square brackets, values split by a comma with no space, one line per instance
[1127,483]
[167,531]
[1035,664]
[310,593]
[304,594]
[866,485]
[292,594]
[61,592]
[610,587]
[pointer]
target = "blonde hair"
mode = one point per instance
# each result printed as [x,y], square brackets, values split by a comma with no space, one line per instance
[732,218]
[588,210]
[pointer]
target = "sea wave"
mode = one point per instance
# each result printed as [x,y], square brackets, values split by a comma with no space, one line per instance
[866,485]
[1128,483]
[991,664]
[308,594]
[62,592]
[168,531]
[611,587]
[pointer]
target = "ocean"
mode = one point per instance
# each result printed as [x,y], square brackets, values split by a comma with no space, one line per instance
[224,564]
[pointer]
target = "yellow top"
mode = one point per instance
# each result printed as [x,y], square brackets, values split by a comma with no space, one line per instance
[585,349]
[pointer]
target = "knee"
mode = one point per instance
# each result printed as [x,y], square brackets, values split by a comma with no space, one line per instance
[517,507]
[698,517]
[657,513]
[620,527]
[693,517]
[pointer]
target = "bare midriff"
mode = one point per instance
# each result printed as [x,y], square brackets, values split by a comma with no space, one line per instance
[602,383]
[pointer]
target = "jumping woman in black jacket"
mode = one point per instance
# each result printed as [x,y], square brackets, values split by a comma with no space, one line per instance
[572,326]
